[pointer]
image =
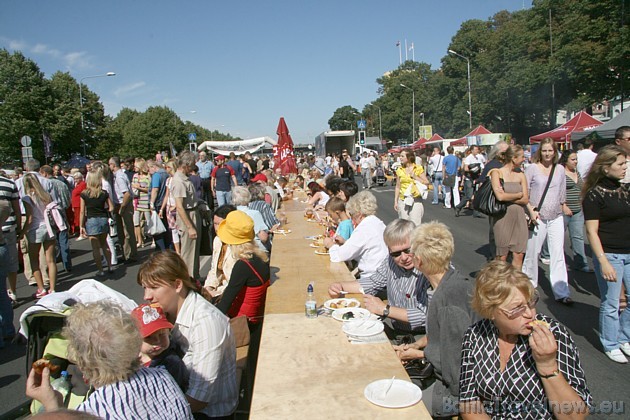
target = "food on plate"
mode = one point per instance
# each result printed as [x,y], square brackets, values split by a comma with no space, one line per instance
[539,322]
[347,315]
[344,304]
[40,364]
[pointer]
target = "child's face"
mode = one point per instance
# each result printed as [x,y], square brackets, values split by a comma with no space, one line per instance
[334,216]
[156,343]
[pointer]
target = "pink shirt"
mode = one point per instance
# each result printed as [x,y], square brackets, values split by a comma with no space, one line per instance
[536,182]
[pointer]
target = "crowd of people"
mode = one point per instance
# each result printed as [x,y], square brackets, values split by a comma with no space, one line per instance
[489,350]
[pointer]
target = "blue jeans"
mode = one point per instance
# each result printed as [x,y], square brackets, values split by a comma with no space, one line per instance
[437,181]
[576,234]
[224,197]
[6,310]
[613,329]
[64,246]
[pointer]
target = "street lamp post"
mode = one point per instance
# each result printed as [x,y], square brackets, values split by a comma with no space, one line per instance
[108,74]
[380,123]
[469,94]
[413,112]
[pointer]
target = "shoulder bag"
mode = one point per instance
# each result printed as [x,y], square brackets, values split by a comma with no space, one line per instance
[533,223]
[486,202]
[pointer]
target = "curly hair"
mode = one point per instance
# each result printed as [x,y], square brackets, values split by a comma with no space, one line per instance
[364,203]
[433,243]
[104,342]
[495,283]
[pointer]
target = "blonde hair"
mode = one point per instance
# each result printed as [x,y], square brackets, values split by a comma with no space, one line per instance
[363,202]
[247,250]
[142,165]
[34,189]
[495,282]
[433,243]
[94,184]
[104,342]
[538,155]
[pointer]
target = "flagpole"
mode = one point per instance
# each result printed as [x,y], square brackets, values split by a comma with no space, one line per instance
[399,53]
[413,53]
[406,56]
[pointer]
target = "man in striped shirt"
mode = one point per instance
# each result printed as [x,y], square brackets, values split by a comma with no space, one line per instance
[407,290]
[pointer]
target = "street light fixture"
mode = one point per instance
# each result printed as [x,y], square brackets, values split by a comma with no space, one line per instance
[380,123]
[413,112]
[469,95]
[108,74]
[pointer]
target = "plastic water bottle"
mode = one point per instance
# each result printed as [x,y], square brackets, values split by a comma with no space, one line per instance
[311,303]
[62,384]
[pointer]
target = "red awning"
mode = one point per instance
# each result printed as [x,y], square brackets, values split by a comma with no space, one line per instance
[581,122]
[419,144]
[479,130]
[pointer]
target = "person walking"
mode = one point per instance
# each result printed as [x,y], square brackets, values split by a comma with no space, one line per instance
[124,210]
[450,166]
[158,192]
[436,160]
[472,167]
[223,178]
[94,220]
[79,186]
[407,196]
[141,182]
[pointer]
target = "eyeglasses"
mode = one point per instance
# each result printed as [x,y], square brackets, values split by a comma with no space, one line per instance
[397,254]
[518,311]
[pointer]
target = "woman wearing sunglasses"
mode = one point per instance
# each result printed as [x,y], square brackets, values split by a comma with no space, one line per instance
[517,363]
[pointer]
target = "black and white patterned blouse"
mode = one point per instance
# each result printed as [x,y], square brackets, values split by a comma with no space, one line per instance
[517,392]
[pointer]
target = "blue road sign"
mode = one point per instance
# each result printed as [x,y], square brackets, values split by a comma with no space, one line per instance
[361,124]
[192,136]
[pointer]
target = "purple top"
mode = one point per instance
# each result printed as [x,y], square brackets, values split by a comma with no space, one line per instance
[536,181]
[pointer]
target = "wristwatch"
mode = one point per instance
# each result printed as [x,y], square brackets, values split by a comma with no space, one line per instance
[386,311]
[551,375]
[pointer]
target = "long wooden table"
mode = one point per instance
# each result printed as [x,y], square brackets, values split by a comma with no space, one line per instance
[307,366]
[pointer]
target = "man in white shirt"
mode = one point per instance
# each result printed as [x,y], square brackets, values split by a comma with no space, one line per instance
[586,157]
[473,165]
[124,210]
[436,160]
[622,139]
[366,173]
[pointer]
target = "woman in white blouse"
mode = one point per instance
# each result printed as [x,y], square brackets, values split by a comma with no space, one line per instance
[365,245]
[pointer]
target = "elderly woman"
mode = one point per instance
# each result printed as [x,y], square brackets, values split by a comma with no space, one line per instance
[448,317]
[607,214]
[241,198]
[201,331]
[407,198]
[366,244]
[517,363]
[104,342]
[223,260]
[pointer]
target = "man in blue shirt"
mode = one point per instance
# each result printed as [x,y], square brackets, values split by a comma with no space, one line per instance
[237,166]
[158,189]
[449,177]
[205,168]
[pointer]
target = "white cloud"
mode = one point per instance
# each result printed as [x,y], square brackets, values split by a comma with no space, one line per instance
[77,61]
[127,89]
[44,49]
[16,45]
[73,61]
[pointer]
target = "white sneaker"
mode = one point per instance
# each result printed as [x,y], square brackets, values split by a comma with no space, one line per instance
[617,356]
[545,261]
[625,347]
[14,298]
[100,274]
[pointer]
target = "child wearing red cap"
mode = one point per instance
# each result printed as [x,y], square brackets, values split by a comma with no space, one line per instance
[156,347]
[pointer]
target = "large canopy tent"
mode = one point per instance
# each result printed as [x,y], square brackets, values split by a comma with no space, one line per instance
[420,144]
[581,122]
[237,146]
[607,130]
[480,129]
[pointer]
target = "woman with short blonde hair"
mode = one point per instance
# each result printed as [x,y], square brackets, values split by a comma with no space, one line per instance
[433,244]
[104,342]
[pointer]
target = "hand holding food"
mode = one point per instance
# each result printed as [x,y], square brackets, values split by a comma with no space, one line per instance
[544,347]
[39,365]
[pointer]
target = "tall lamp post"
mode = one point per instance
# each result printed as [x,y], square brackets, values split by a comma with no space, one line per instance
[469,97]
[108,74]
[380,123]
[413,112]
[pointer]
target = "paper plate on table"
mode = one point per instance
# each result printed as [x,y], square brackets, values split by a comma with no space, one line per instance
[340,303]
[363,328]
[401,394]
[282,231]
[316,245]
[322,253]
[357,313]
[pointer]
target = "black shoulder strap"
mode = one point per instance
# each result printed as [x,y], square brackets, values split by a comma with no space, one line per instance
[542,199]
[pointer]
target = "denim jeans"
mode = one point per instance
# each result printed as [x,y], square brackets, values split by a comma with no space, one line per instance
[6,310]
[576,234]
[613,328]
[224,197]
[437,181]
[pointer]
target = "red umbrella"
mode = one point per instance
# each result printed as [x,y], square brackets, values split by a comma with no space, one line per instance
[283,155]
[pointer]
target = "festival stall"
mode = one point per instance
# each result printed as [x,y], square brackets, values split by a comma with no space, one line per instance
[581,122]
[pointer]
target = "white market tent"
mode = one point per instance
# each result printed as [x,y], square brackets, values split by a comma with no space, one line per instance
[237,146]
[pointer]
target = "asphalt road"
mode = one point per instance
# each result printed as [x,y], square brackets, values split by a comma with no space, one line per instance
[608,381]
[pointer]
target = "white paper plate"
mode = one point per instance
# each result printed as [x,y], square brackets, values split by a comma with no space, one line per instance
[359,313]
[401,394]
[313,245]
[342,303]
[321,253]
[363,328]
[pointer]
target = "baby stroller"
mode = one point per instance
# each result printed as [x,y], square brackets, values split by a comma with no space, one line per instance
[379,176]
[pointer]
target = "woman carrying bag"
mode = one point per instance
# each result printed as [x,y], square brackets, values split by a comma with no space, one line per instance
[408,197]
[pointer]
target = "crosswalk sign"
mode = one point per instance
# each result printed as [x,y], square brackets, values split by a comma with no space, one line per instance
[361,124]
[192,136]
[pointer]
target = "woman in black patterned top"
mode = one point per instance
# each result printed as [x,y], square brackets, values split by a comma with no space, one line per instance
[517,364]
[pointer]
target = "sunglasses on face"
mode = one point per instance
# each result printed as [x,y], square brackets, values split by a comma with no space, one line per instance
[397,254]
[518,311]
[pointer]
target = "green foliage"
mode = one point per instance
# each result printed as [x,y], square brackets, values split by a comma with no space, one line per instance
[344,118]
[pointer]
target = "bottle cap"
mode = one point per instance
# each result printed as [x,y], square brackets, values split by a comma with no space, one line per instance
[309,288]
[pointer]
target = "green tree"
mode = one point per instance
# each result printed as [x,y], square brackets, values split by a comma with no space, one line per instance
[153,130]
[344,118]
[24,97]
[63,118]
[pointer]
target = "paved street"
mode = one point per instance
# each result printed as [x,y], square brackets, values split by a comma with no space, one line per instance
[607,380]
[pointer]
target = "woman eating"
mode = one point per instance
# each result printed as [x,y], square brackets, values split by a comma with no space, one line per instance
[202,332]
[407,198]
[517,363]
[510,229]
[607,214]
[104,342]
[318,196]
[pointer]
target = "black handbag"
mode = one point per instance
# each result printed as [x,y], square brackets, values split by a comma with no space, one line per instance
[486,202]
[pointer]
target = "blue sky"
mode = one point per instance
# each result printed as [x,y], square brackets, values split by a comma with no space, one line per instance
[239,65]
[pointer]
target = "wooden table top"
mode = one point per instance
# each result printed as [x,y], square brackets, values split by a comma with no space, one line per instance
[308,367]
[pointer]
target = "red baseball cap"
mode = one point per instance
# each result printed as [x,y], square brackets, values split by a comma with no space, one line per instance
[219,157]
[259,177]
[150,318]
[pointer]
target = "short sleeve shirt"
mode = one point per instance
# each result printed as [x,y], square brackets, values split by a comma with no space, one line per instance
[223,177]
[181,187]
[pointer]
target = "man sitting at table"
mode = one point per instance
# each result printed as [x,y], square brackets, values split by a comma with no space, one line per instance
[407,297]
